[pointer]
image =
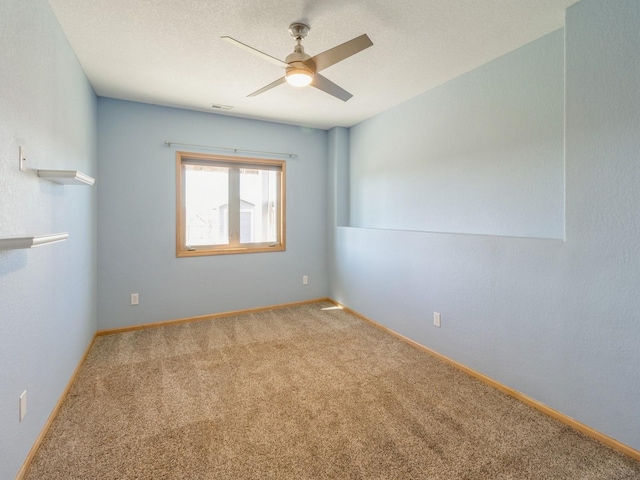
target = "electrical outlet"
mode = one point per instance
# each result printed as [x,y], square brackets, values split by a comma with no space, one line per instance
[23,159]
[305,280]
[23,405]
[436,319]
[135,299]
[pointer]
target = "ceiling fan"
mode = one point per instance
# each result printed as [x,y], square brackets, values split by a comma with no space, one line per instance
[302,69]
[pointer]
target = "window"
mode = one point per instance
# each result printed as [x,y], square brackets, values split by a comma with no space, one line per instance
[229,205]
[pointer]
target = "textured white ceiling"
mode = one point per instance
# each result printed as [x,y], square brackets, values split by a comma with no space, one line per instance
[169,52]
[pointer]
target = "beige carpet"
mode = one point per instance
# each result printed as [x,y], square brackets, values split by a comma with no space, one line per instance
[304,392]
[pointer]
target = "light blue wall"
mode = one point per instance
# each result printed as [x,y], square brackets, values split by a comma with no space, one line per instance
[47,294]
[137,199]
[483,154]
[338,190]
[602,304]
[338,165]
[556,320]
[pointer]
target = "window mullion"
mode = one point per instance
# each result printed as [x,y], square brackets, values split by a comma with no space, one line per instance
[234,206]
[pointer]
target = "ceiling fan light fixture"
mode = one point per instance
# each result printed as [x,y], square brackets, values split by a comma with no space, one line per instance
[298,77]
[301,69]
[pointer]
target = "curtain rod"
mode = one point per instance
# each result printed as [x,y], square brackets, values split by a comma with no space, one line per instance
[235,150]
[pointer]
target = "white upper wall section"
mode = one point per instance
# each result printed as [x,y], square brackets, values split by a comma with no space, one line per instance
[482,154]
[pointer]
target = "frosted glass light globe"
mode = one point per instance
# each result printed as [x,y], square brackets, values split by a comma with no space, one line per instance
[299,77]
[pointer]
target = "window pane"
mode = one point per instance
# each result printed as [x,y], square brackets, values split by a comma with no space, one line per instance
[258,206]
[206,205]
[228,205]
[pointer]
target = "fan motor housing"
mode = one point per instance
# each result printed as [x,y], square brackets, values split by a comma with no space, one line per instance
[299,57]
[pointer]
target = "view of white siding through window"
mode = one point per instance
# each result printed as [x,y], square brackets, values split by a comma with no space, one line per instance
[212,209]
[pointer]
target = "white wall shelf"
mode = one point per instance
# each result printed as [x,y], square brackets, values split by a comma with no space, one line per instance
[66,177]
[13,243]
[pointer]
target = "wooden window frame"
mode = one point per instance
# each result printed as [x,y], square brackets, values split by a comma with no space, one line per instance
[182,250]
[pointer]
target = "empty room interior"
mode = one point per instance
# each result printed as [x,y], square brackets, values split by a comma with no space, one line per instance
[454,198]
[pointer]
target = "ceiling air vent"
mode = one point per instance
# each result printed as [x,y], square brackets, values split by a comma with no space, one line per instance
[217,106]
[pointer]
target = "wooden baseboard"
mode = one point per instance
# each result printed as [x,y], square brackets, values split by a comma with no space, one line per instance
[576,425]
[179,321]
[36,445]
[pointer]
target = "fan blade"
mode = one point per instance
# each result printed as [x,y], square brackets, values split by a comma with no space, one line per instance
[268,87]
[326,85]
[339,53]
[258,53]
